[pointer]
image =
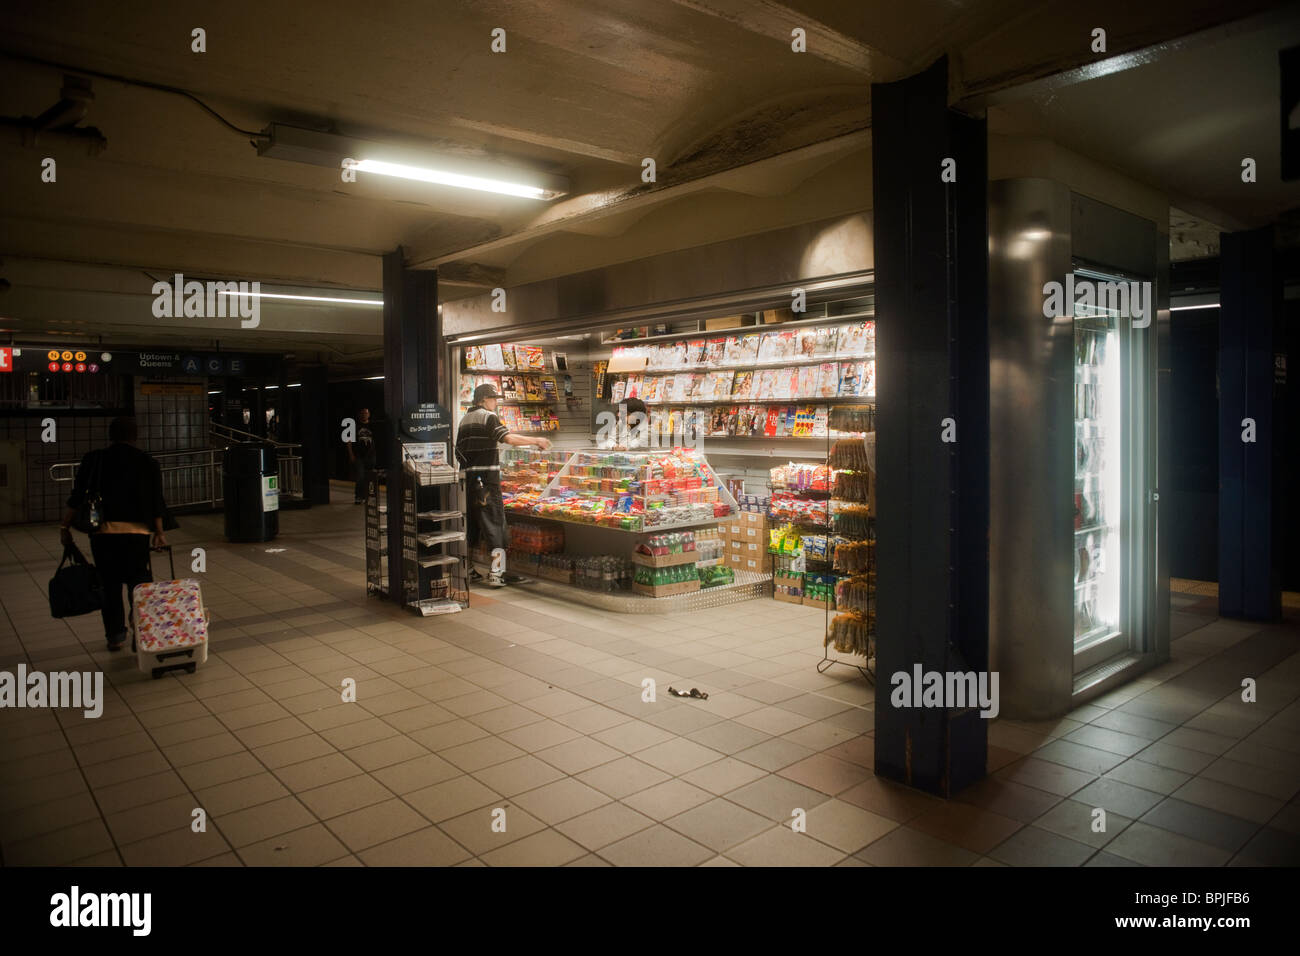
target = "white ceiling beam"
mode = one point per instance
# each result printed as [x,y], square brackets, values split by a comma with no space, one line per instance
[580,212]
[777,21]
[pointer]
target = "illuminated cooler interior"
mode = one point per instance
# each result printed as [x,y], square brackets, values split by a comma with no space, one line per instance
[1097,478]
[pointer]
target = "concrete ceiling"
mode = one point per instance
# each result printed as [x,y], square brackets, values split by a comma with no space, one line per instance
[1182,122]
[746,134]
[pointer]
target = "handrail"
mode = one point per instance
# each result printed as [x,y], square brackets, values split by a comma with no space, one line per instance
[198,479]
[229,432]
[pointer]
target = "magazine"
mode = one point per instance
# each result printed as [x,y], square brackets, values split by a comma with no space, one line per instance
[825,343]
[473,356]
[550,391]
[466,389]
[633,386]
[853,339]
[697,389]
[508,359]
[850,376]
[618,390]
[868,384]
[770,424]
[829,380]
[718,387]
[676,355]
[722,421]
[787,383]
[650,389]
[536,357]
[695,350]
[807,343]
[771,348]
[715,353]
[765,383]
[803,422]
[492,357]
[510,388]
[742,385]
[533,388]
[821,421]
[809,377]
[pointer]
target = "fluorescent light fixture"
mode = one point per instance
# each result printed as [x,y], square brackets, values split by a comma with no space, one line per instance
[267,388]
[330,149]
[295,384]
[1185,308]
[301,298]
[217,392]
[443,178]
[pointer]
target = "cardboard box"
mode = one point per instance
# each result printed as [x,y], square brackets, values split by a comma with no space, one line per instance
[664,560]
[725,322]
[733,527]
[666,590]
[755,519]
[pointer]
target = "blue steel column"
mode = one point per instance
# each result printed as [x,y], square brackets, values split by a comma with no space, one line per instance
[411,327]
[1250,302]
[932,359]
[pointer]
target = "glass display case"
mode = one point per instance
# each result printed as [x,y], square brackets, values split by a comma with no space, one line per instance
[525,473]
[627,490]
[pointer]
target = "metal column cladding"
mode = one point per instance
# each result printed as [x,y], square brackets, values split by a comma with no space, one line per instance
[932,359]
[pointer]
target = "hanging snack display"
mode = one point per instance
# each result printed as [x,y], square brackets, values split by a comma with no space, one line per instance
[853,521]
[852,486]
[855,593]
[851,633]
[854,557]
[849,454]
[853,418]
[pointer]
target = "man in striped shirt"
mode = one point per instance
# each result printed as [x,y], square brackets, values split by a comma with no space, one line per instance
[477,438]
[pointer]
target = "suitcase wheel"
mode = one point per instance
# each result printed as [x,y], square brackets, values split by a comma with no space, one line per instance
[190,668]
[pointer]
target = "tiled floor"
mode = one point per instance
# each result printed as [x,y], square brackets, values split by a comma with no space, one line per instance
[533,707]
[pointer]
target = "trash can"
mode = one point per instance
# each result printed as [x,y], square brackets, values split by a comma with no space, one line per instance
[250,483]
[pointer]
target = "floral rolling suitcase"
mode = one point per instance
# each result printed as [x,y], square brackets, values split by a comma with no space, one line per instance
[171,625]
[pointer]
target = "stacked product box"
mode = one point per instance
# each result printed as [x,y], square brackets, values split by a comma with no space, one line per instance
[819,590]
[746,539]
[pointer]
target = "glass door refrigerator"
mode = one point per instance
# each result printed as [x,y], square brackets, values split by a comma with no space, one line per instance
[1099,479]
[1075,576]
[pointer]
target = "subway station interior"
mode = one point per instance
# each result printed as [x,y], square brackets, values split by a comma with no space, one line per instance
[958,513]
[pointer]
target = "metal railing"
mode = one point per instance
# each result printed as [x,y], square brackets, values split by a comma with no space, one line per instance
[194,478]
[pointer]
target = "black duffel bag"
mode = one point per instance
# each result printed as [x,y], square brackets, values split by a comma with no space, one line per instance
[75,589]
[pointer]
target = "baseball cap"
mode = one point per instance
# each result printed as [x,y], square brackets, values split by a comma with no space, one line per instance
[486,390]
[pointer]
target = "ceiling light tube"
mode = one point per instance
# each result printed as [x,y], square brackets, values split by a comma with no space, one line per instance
[462,171]
[301,298]
[448,178]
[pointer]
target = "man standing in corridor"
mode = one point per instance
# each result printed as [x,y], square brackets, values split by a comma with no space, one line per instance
[477,438]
